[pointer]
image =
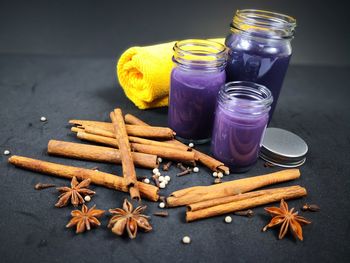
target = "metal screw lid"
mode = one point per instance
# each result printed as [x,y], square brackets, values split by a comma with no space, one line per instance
[283,148]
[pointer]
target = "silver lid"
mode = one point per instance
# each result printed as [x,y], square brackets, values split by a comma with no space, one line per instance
[283,148]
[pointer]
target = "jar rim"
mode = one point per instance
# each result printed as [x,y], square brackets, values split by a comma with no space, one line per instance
[246,97]
[261,22]
[200,53]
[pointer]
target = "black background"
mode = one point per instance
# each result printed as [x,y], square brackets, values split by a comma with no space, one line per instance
[58,60]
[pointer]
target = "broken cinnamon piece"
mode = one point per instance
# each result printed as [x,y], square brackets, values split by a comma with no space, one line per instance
[41,186]
[248,213]
[121,135]
[167,166]
[187,171]
[181,167]
[161,213]
[268,164]
[311,208]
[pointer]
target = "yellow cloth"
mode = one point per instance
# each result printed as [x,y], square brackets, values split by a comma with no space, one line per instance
[144,74]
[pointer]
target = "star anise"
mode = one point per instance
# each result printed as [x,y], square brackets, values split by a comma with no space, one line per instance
[85,218]
[74,193]
[288,218]
[129,219]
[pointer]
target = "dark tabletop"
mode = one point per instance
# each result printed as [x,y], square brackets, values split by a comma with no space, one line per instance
[314,104]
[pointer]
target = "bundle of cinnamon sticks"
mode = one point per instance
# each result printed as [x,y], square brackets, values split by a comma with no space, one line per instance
[127,141]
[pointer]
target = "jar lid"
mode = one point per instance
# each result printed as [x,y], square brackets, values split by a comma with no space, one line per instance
[283,148]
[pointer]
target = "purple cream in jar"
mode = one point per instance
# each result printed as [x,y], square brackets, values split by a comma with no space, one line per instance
[241,117]
[260,49]
[196,79]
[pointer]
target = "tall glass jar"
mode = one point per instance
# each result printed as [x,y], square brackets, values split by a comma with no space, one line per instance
[196,79]
[260,49]
[241,117]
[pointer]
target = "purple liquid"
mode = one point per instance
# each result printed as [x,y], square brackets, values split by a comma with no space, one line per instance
[265,63]
[237,138]
[192,102]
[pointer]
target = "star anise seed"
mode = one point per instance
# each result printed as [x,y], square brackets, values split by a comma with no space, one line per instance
[288,219]
[75,193]
[84,219]
[129,219]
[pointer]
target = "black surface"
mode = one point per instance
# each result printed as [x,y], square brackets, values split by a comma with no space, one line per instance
[314,104]
[107,27]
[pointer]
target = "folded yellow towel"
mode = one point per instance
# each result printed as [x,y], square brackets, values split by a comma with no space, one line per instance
[144,74]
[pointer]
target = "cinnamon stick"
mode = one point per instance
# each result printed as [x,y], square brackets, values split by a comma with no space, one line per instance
[132,130]
[98,153]
[161,151]
[245,203]
[99,178]
[201,193]
[121,135]
[203,158]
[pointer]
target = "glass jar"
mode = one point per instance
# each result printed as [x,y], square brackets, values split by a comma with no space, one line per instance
[260,49]
[241,117]
[196,79]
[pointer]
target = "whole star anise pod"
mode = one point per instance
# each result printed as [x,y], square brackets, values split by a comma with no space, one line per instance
[129,219]
[288,218]
[85,218]
[74,193]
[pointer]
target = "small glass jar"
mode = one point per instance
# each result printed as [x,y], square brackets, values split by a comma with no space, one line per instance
[241,117]
[260,49]
[196,79]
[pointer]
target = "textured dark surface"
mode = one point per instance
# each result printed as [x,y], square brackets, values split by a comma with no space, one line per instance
[314,104]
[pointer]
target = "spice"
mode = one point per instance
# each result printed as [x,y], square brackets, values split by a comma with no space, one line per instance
[228,219]
[161,205]
[40,186]
[167,166]
[64,171]
[227,172]
[74,193]
[85,218]
[161,178]
[187,171]
[160,160]
[155,180]
[7,152]
[215,174]
[195,169]
[128,165]
[87,198]
[43,119]
[146,181]
[268,164]
[161,213]
[191,145]
[186,240]
[129,219]
[217,181]
[162,185]
[311,208]
[167,178]
[155,170]
[288,218]
[248,213]
[181,167]
[220,175]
